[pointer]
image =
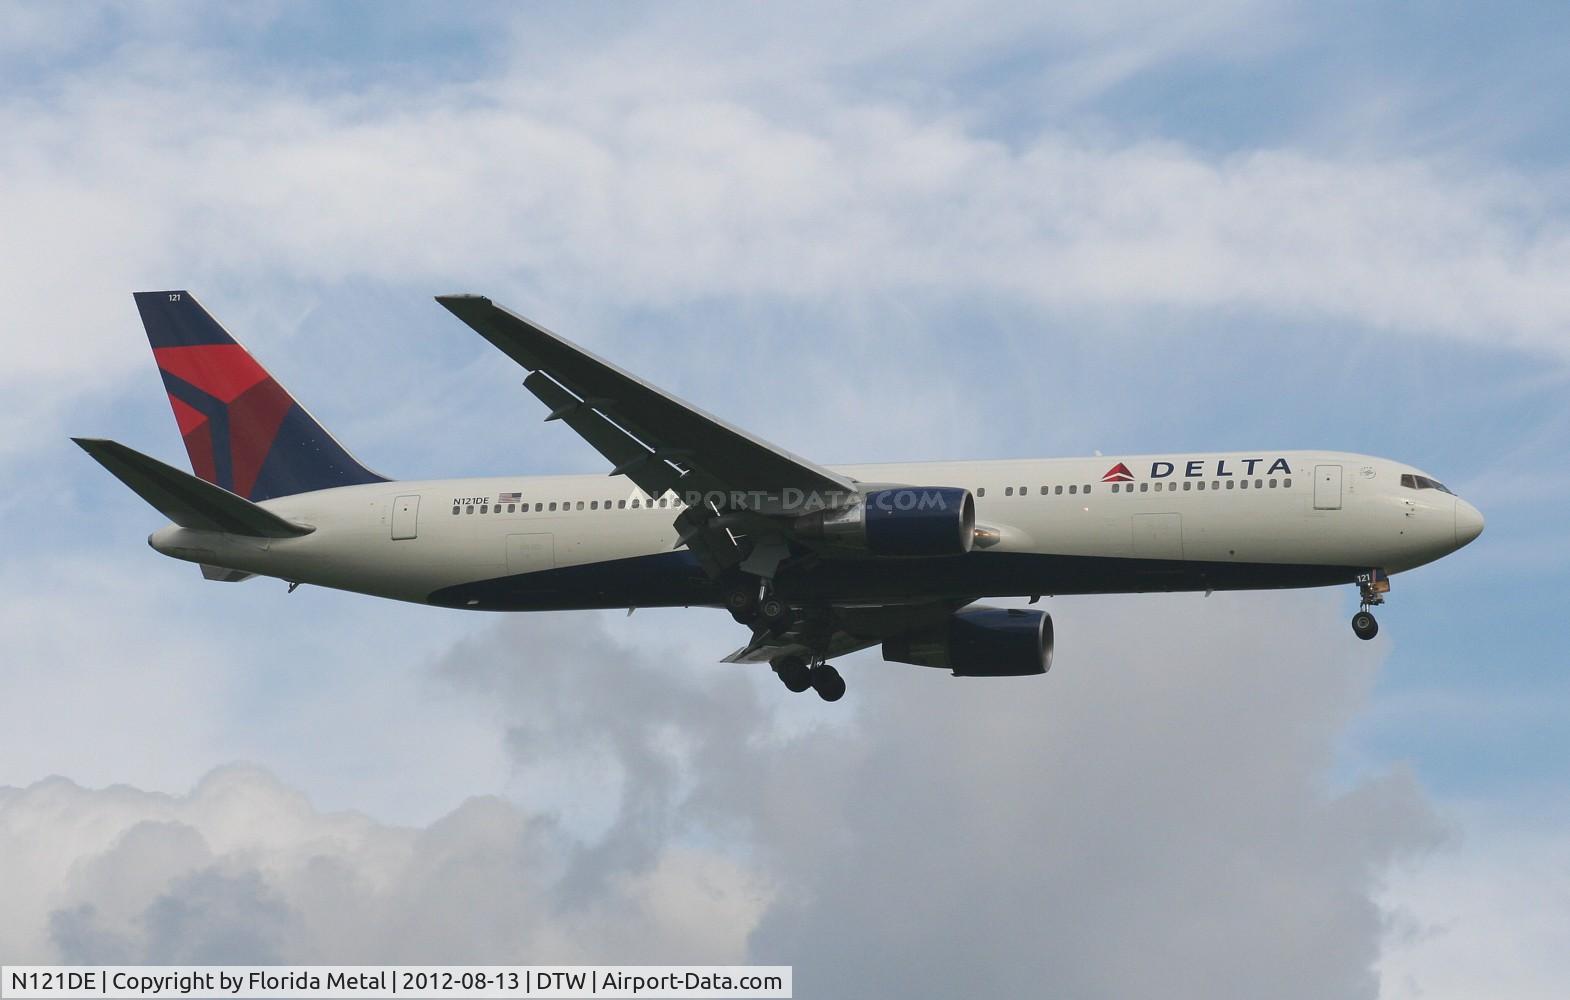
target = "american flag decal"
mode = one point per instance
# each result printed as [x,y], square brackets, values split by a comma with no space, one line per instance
[508,497]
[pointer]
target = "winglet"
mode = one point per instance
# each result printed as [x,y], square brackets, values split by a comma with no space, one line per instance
[186,500]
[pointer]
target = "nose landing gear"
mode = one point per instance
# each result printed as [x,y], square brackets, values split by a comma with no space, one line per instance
[1371,588]
[1365,625]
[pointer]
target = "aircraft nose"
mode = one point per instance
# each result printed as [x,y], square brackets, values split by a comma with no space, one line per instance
[1469,522]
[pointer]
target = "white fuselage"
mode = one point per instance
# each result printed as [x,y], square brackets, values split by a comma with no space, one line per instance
[1223,521]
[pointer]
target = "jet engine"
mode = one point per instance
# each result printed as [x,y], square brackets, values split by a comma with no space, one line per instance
[980,642]
[899,521]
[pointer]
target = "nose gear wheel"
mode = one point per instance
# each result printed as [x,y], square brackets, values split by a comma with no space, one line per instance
[1372,587]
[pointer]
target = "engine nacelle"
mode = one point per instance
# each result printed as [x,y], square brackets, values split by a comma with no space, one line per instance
[899,521]
[980,642]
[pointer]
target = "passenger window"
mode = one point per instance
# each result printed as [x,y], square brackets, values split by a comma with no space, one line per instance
[1023,490]
[1073,489]
[580,504]
[1187,486]
[1242,484]
[469,509]
[1114,487]
[1200,485]
[482,508]
[1216,485]
[538,507]
[594,505]
[512,507]
[1144,487]
[1008,491]
[981,492]
[1057,490]
[1044,491]
[1231,484]
[1286,483]
[621,505]
[1086,489]
[662,503]
[455,508]
[1259,484]
[1272,484]
[553,505]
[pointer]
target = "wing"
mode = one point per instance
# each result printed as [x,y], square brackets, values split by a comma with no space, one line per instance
[637,426]
[660,442]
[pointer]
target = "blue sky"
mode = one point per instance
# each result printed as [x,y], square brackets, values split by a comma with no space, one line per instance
[907,232]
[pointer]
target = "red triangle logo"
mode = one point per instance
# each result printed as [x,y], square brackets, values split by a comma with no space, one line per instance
[1118,474]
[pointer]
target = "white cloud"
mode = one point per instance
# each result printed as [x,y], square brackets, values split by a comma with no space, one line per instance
[129,668]
[631,184]
[929,834]
[1486,919]
[78,683]
[244,869]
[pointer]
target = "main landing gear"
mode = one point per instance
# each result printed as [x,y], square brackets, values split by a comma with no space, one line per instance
[1371,588]
[752,603]
[797,675]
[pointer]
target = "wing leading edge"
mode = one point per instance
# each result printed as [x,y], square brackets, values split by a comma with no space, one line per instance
[637,426]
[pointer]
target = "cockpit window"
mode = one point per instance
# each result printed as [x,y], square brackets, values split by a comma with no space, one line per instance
[1412,482]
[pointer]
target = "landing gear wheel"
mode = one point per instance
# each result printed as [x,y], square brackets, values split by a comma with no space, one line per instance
[793,673]
[774,612]
[1365,625]
[828,683]
[742,603]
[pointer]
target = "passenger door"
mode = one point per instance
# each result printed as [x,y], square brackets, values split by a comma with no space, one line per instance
[405,517]
[1327,487]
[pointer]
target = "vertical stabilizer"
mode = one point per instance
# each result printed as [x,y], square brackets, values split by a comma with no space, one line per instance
[242,430]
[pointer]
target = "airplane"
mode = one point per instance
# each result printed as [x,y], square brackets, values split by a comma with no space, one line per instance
[817,561]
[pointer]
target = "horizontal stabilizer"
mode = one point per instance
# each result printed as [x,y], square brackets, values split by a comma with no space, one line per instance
[186,500]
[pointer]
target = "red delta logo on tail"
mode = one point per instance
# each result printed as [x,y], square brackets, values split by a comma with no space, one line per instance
[222,382]
[1118,474]
[242,430]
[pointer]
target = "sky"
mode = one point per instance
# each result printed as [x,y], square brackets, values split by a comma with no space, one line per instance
[876,233]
